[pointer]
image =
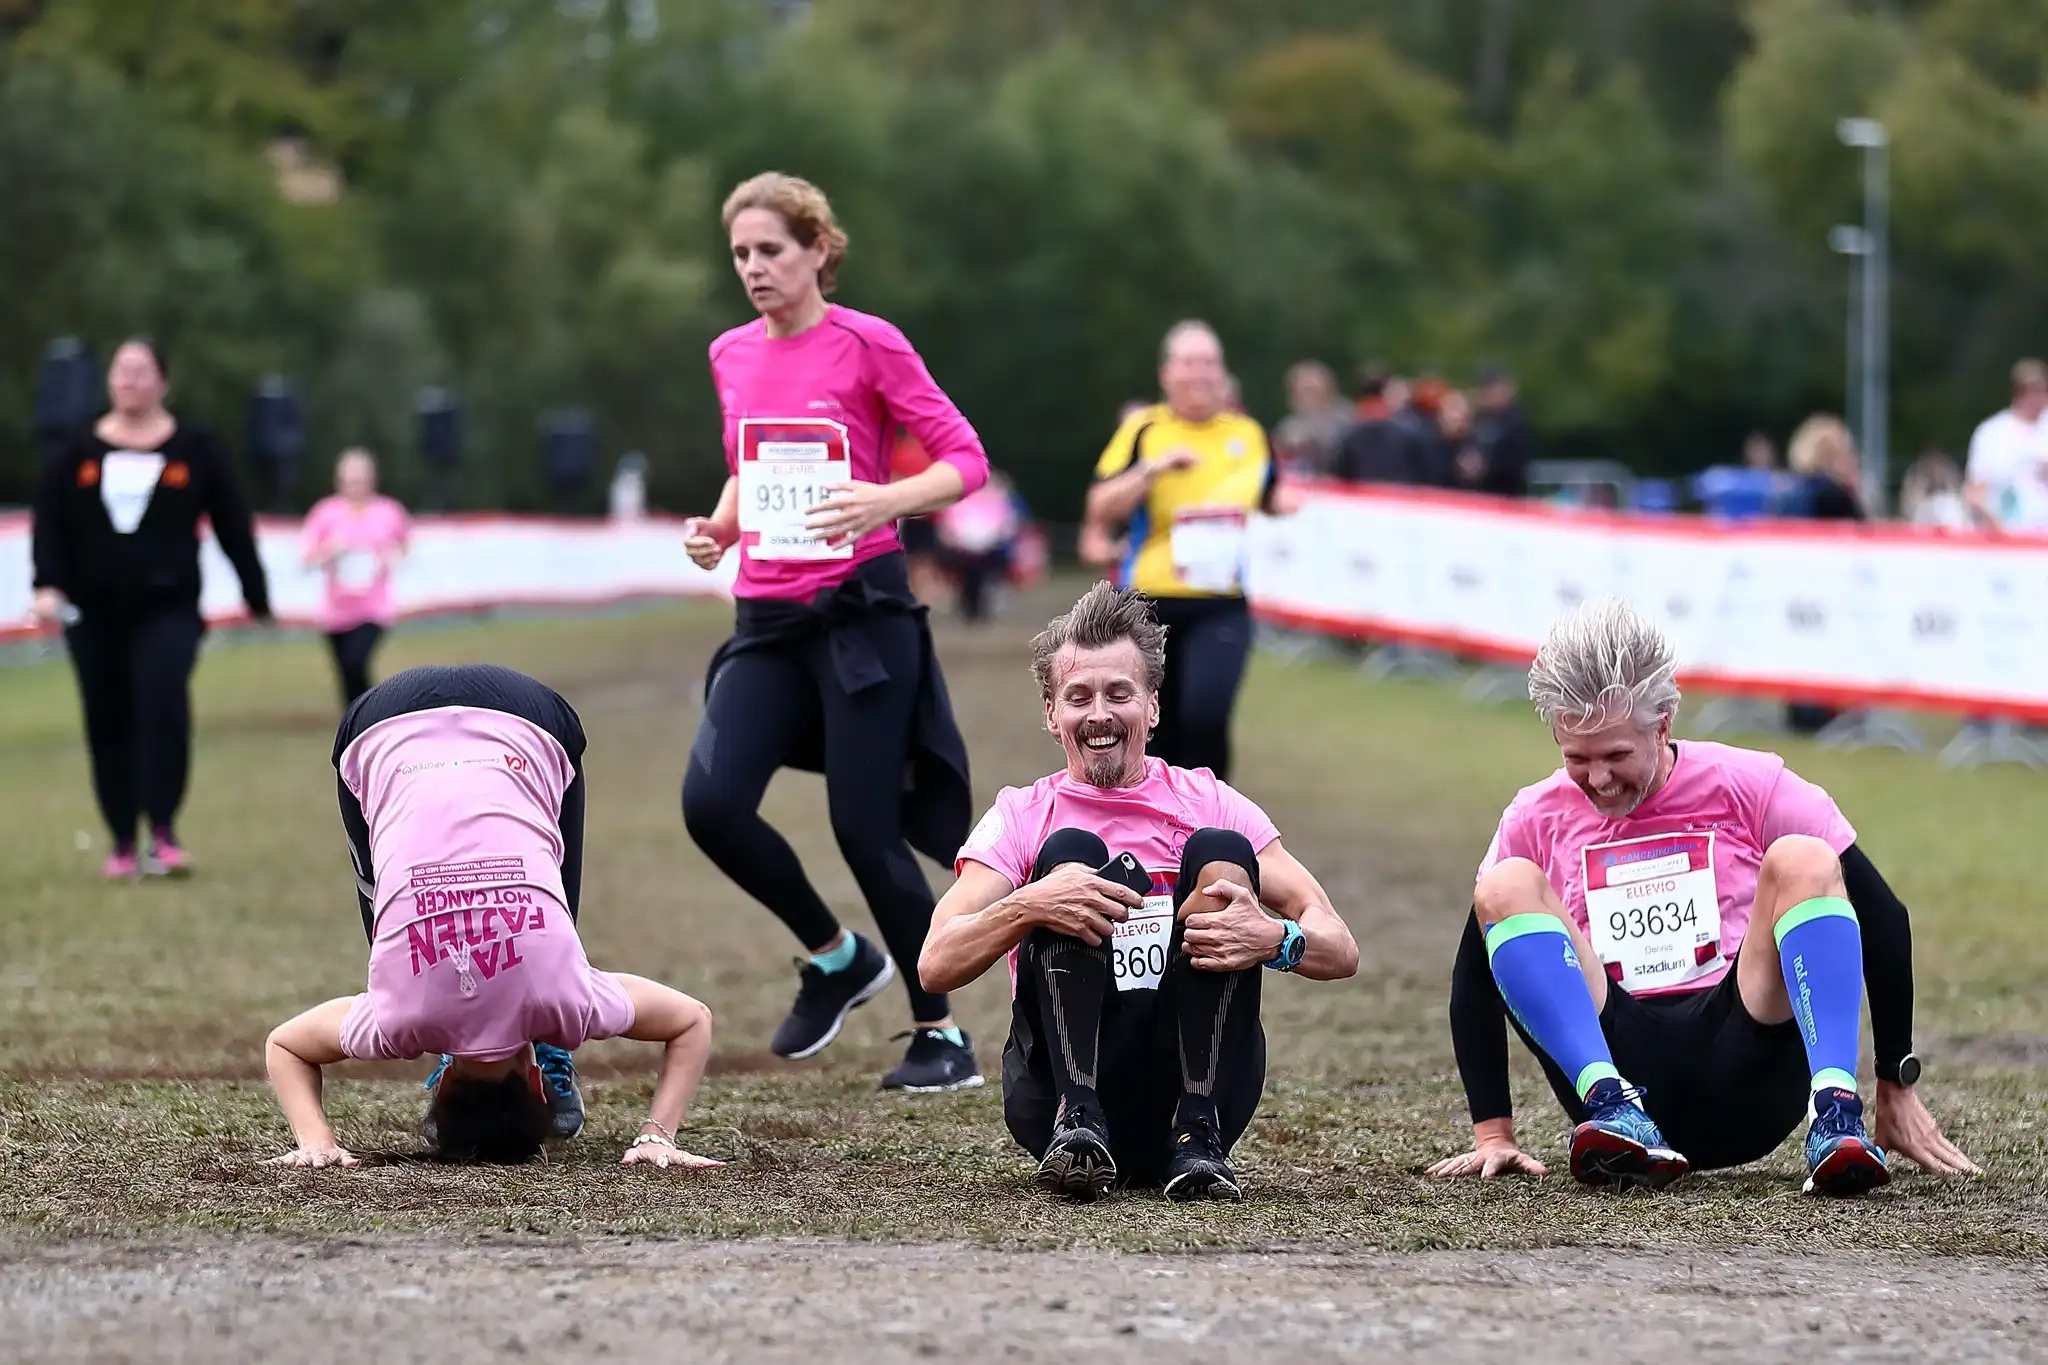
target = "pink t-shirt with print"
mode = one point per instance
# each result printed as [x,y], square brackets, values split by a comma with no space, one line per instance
[1150,821]
[474,953]
[857,371]
[358,584]
[1717,814]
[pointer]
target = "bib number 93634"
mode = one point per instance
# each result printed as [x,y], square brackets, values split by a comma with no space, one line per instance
[1653,910]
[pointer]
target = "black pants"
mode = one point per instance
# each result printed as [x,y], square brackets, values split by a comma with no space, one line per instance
[765,705]
[1724,1089]
[1208,640]
[1199,1032]
[486,686]
[975,571]
[134,678]
[352,650]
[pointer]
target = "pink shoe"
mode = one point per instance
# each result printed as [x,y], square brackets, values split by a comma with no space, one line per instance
[165,858]
[119,867]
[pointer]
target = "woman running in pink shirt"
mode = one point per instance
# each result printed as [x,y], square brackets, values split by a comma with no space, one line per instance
[831,666]
[462,800]
[355,538]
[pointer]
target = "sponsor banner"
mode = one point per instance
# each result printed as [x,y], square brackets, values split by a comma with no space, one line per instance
[1829,612]
[457,563]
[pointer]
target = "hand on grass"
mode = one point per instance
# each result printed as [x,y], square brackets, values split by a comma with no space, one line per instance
[316,1156]
[1493,1153]
[1903,1127]
[666,1154]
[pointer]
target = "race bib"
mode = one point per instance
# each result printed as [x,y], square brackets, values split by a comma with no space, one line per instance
[1208,547]
[1653,911]
[1137,949]
[127,483]
[357,571]
[785,465]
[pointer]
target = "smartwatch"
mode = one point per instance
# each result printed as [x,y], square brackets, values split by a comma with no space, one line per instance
[1293,943]
[1905,1071]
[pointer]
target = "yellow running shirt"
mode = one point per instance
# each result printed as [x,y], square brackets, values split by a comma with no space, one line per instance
[1187,537]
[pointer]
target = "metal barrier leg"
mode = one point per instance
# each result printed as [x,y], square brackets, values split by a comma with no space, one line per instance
[1738,716]
[1982,742]
[1492,685]
[1873,729]
[1407,662]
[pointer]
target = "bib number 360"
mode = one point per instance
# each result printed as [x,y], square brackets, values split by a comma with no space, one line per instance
[1653,910]
[1137,950]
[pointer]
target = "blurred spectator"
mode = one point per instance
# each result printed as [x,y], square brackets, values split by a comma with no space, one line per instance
[1418,417]
[1101,545]
[1758,452]
[977,537]
[1931,493]
[920,542]
[1502,432]
[2007,473]
[1371,399]
[1823,456]
[1305,442]
[1461,442]
[1753,488]
[1376,448]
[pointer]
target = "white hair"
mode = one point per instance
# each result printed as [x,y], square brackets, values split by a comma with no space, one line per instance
[1186,328]
[1603,659]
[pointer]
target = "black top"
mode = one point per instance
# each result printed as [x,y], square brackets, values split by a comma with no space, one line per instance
[1504,441]
[119,529]
[1479,1018]
[1380,450]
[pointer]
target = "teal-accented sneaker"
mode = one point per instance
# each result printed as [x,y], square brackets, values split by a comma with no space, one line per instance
[1840,1160]
[558,1075]
[1619,1144]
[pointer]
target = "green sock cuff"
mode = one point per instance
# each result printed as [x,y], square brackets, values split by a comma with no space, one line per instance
[1820,907]
[840,958]
[1597,1071]
[1834,1078]
[1515,926]
[953,1035]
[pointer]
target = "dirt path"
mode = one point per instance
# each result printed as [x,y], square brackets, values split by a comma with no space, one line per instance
[619,1301]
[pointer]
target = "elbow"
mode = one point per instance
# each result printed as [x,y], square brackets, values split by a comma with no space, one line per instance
[936,973]
[1347,961]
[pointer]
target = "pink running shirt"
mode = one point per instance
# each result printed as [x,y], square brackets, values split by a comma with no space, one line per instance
[1151,822]
[474,953]
[853,369]
[1721,807]
[358,588]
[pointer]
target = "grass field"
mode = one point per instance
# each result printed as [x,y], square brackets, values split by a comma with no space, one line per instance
[132,1016]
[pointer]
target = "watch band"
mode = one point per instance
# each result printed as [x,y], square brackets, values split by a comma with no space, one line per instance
[1293,943]
[1905,1071]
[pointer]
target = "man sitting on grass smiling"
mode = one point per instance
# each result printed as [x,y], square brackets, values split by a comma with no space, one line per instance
[1138,903]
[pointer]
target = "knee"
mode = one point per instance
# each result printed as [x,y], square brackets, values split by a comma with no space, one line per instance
[1803,865]
[709,813]
[1065,846]
[1212,853]
[1512,886]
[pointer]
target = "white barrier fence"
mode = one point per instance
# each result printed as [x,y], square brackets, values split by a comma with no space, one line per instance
[1832,613]
[457,563]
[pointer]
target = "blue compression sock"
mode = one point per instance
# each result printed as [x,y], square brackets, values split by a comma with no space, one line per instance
[1538,975]
[952,1035]
[838,959]
[1820,951]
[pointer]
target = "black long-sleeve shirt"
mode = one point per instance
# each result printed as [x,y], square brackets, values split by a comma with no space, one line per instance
[1479,1034]
[110,539]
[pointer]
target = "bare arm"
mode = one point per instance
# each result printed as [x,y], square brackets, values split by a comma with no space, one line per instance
[706,539]
[662,1014]
[294,1054]
[1289,890]
[981,918]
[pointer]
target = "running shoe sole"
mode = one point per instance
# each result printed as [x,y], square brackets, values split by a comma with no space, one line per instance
[1207,1183]
[1082,1171]
[968,1083]
[867,993]
[1851,1169]
[1602,1158]
[151,867]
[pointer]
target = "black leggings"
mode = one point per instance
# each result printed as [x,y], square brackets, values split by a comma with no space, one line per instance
[765,705]
[134,677]
[352,650]
[480,685]
[1140,1051]
[1208,640]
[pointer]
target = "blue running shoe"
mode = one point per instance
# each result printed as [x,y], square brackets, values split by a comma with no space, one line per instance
[558,1076]
[1840,1160]
[1619,1144]
[430,1126]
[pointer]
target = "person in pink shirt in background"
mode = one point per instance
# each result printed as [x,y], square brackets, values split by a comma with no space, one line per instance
[355,537]
[1681,931]
[1136,903]
[831,666]
[461,796]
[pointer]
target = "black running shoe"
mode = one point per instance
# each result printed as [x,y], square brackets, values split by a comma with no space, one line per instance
[934,1063]
[824,999]
[558,1083]
[1077,1164]
[1197,1169]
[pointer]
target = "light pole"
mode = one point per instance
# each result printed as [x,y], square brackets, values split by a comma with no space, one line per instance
[1848,240]
[1868,135]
